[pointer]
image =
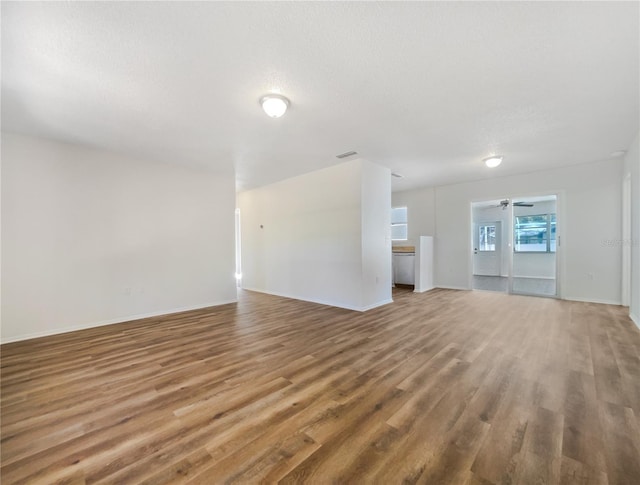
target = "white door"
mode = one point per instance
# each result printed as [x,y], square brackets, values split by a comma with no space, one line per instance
[487,244]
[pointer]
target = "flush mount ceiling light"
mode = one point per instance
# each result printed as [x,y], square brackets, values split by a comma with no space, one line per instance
[493,162]
[275,105]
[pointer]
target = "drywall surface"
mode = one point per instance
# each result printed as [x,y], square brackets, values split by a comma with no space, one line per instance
[91,238]
[376,235]
[424,264]
[589,204]
[632,166]
[304,237]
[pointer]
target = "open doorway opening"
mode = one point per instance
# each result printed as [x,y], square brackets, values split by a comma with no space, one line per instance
[515,243]
[535,245]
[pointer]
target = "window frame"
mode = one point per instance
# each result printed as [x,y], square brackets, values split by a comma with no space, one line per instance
[404,223]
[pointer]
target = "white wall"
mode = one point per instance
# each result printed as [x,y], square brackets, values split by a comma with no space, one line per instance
[91,238]
[424,264]
[320,236]
[376,235]
[632,166]
[589,205]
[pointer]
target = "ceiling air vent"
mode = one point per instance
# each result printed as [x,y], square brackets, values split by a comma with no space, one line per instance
[346,154]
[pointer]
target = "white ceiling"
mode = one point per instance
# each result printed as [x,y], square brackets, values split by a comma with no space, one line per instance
[427,89]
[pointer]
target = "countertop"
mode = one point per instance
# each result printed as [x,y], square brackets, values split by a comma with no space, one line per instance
[403,249]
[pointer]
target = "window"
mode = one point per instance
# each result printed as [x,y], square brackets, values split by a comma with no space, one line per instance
[487,238]
[399,229]
[535,234]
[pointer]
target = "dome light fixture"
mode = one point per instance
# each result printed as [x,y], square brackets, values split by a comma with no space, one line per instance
[493,162]
[275,105]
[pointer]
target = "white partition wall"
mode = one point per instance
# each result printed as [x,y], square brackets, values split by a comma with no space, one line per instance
[424,264]
[376,235]
[322,236]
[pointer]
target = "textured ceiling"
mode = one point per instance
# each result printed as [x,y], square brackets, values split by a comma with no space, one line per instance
[427,89]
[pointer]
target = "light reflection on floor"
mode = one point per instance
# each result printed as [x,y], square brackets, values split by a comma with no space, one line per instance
[530,286]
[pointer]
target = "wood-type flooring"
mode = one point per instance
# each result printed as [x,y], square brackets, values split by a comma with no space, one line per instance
[443,387]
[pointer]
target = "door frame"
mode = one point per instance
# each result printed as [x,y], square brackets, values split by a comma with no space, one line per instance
[508,232]
[626,240]
[471,224]
[559,226]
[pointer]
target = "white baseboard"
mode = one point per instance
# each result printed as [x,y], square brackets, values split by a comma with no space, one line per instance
[322,302]
[424,290]
[130,318]
[452,287]
[593,300]
[376,305]
[635,319]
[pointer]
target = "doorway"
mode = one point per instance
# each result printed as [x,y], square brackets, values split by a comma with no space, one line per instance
[515,244]
[490,246]
[535,245]
[626,240]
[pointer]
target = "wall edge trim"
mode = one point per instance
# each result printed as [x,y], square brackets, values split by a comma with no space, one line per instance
[592,300]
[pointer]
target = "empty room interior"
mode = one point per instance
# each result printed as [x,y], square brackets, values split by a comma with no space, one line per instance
[320,242]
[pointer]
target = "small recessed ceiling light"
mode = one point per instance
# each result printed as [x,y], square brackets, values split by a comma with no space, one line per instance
[397,175]
[493,162]
[275,105]
[617,153]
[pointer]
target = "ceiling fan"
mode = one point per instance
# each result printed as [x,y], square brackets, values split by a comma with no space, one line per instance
[505,203]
